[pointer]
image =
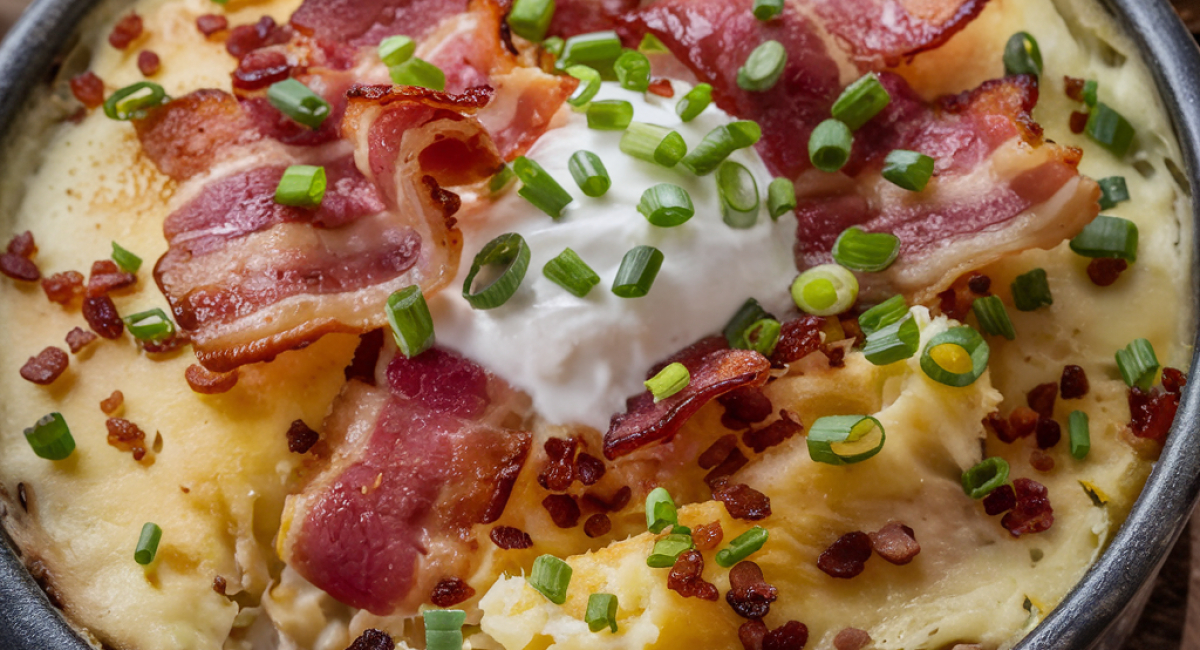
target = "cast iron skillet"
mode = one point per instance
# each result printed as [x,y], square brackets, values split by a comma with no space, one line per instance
[29,55]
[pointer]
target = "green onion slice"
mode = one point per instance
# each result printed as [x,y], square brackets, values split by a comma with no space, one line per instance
[147,546]
[885,313]
[908,169]
[589,173]
[570,272]
[845,439]
[1113,190]
[412,325]
[861,101]
[694,102]
[748,315]
[1110,129]
[1031,290]
[636,274]
[132,102]
[744,133]
[956,357]
[1022,55]
[589,85]
[150,325]
[738,192]
[609,115]
[895,342]
[539,187]
[633,71]
[1080,435]
[742,547]
[551,576]
[825,290]
[601,612]
[298,102]
[1138,364]
[668,549]
[651,45]
[666,205]
[554,45]
[509,252]
[670,380]
[829,146]
[444,620]
[50,437]
[420,73]
[443,640]
[500,180]
[762,337]
[1091,88]
[596,49]
[858,250]
[781,198]
[767,9]
[395,50]
[530,19]
[980,480]
[1108,237]
[763,67]
[661,513]
[301,186]
[128,262]
[993,317]
[653,143]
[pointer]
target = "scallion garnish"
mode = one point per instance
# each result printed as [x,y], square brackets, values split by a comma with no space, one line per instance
[1108,237]
[738,192]
[298,102]
[589,85]
[589,173]
[1110,129]
[554,45]
[1079,434]
[128,262]
[744,133]
[908,169]
[767,9]
[705,157]
[1022,55]
[661,512]
[1091,88]
[530,19]
[1138,364]
[395,50]
[670,380]
[301,186]
[858,250]
[762,336]
[742,547]
[596,49]
[147,545]
[601,612]
[131,103]
[861,101]
[420,73]
[150,325]
[570,272]
[1031,290]
[885,313]
[956,357]
[551,576]
[651,45]
[829,146]
[894,342]
[666,205]
[412,325]
[633,71]
[750,313]
[980,480]
[501,179]
[825,290]
[1113,190]
[993,317]
[539,187]
[609,115]
[653,143]
[781,198]
[443,629]
[763,67]
[50,437]
[668,549]
[694,102]
[511,254]
[636,274]
[845,439]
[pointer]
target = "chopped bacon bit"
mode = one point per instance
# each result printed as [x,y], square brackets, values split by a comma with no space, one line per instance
[999,426]
[797,339]
[708,536]
[509,538]
[1074,87]
[207,382]
[1023,421]
[563,510]
[1074,382]
[598,525]
[732,463]
[742,501]
[686,580]
[751,634]
[1041,461]
[451,591]
[1104,271]
[125,31]
[126,436]
[366,357]
[148,63]
[63,287]
[23,245]
[78,338]
[717,451]
[1000,500]
[219,585]
[749,594]
[261,68]
[19,268]
[1048,433]
[1041,399]
[106,276]
[775,433]
[559,472]
[744,406]
[110,404]
[661,87]
[1078,122]
[851,638]
[951,306]
[247,38]
[1152,412]
[1173,381]
[88,89]
[835,355]
[895,543]
[47,366]
[373,640]
[846,557]
[979,284]
[619,500]
[301,437]
[589,469]
[1032,513]
[792,635]
[169,344]
[210,24]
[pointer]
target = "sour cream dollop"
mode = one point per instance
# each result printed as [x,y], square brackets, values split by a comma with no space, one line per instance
[581,358]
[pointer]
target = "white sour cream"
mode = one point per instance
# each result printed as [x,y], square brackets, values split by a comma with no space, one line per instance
[580,358]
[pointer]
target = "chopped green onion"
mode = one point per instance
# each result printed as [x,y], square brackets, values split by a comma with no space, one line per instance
[589,173]
[653,143]
[1090,92]
[1113,190]
[298,102]
[668,549]
[762,336]
[738,192]
[1138,364]
[1108,237]
[895,342]
[444,620]
[589,85]
[744,133]
[681,530]
[781,198]
[395,50]
[633,71]
[980,480]
[993,317]
[570,272]
[501,179]
[1031,290]
[885,313]
[1110,129]
[666,205]
[609,115]
[694,102]
[670,380]
[661,513]
[829,146]
[747,316]
[551,576]
[420,73]
[1080,435]
[767,9]
[825,290]
[742,547]
[147,546]
[301,186]
[539,187]
[763,67]
[861,101]
[439,640]
[908,169]
[865,251]
[705,157]
[1022,55]
[128,262]
[150,325]
[508,251]
[50,437]
[601,612]
[129,103]
[554,45]
[596,49]
[636,274]
[963,350]
[845,439]
[530,19]
[651,45]
[412,325]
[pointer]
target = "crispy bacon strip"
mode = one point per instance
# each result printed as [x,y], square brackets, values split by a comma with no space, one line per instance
[367,22]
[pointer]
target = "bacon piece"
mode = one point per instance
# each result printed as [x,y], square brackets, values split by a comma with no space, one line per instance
[1041,399]
[792,635]
[734,461]
[373,639]
[261,68]
[19,268]
[301,437]
[509,538]
[563,509]
[743,407]
[979,285]
[1023,421]
[686,580]
[109,405]
[598,525]
[751,634]
[247,38]
[148,62]
[63,288]
[1000,500]
[774,433]
[367,22]
[88,89]
[749,594]
[1173,381]
[717,452]
[106,276]
[366,356]
[47,366]
[1074,382]
[559,471]
[798,338]
[78,338]
[23,245]
[742,501]
[1041,461]
[126,31]
[190,134]
[1152,412]
[206,382]
[1104,271]
[1049,433]
[126,436]
[847,556]
[708,536]
[451,591]
[851,638]
[1032,512]
[102,316]
[589,469]
[210,24]
[895,543]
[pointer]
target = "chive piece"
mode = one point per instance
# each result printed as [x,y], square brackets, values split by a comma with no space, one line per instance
[589,85]
[501,179]
[412,325]
[50,437]
[763,67]
[439,640]
[705,157]
[895,342]
[681,530]
[530,19]
[748,315]
[601,612]
[301,186]
[781,198]
[653,143]
[609,115]
[395,50]
[1110,129]
[668,549]
[825,290]
[960,339]
[744,133]
[651,45]
[767,9]
[885,313]
[420,73]
[980,480]
[570,272]
[150,325]
[854,435]
[865,251]
[633,71]
[829,146]
[444,620]
[908,169]
[1138,364]
[1108,237]
[589,173]
[993,317]
[670,380]
[130,103]
[554,45]
[1080,435]
[539,187]
[508,251]
[666,205]
[636,274]
[1113,190]
[298,102]
[1022,55]
[861,101]
[128,262]
[596,49]
[147,546]
[738,192]
[1091,87]
[694,102]
[661,512]
[1031,290]
[742,547]
[763,336]
[551,576]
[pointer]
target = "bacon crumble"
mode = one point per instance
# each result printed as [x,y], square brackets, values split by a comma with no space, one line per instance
[787,426]
[588,469]
[47,366]
[619,500]
[19,268]
[686,580]
[1074,383]
[1105,271]
[78,338]
[451,591]
[88,89]
[749,594]
[1000,500]
[563,509]
[979,284]
[218,585]
[661,87]
[148,63]
[373,639]
[717,452]
[366,357]
[1049,432]
[111,404]
[63,288]
[106,276]
[744,406]
[206,382]
[1032,512]
[126,31]
[1041,399]
[742,501]
[707,536]
[597,525]
[510,538]
[559,471]
[244,39]
[851,638]
[102,316]
[1074,87]
[847,556]
[1041,461]
[1078,122]
[126,436]
[798,338]
[301,437]
[209,24]
[896,543]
